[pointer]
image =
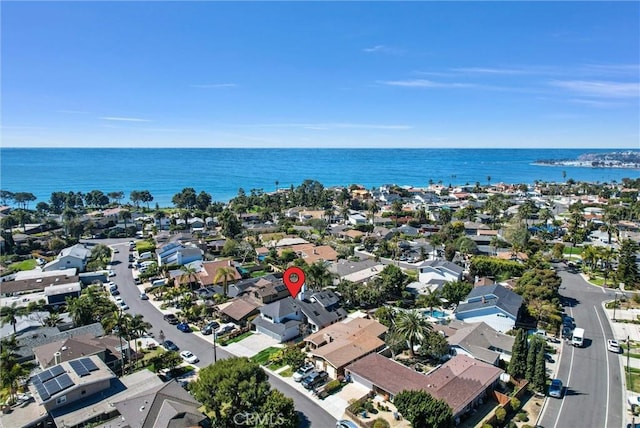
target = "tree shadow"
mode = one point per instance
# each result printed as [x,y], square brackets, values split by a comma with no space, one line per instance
[303,421]
[569,301]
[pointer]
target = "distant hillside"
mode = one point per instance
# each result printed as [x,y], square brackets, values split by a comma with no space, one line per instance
[626,159]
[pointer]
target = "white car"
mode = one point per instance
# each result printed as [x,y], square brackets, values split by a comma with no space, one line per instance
[613,346]
[118,300]
[112,273]
[122,305]
[189,357]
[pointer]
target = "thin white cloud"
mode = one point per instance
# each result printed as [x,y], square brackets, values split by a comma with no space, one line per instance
[382,49]
[337,125]
[423,83]
[489,70]
[215,85]
[599,88]
[124,119]
[597,103]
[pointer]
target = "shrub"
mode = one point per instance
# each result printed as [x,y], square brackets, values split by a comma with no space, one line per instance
[485,425]
[523,417]
[381,423]
[515,404]
[332,386]
[501,413]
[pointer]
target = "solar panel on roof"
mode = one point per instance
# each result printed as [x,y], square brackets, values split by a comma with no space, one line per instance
[79,368]
[44,376]
[52,387]
[44,395]
[89,364]
[64,381]
[56,370]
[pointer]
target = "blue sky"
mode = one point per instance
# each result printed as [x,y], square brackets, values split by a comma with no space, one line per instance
[320,74]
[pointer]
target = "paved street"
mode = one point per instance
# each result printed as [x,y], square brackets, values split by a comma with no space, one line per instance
[313,414]
[591,375]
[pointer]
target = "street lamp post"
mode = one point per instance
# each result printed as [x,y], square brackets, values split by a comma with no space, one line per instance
[615,303]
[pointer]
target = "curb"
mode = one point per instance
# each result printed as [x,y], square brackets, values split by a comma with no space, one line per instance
[555,372]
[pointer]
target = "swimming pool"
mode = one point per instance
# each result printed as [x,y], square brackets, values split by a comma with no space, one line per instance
[434,314]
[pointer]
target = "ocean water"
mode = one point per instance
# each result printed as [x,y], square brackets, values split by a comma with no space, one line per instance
[221,172]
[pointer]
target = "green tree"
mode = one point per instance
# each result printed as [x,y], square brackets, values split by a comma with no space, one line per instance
[518,364]
[10,314]
[413,327]
[294,357]
[224,274]
[627,266]
[394,280]
[422,410]
[435,346]
[278,410]
[540,372]
[456,291]
[231,386]
[166,360]
[385,315]
[318,275]
[231,226]
[534,344]
[431,299]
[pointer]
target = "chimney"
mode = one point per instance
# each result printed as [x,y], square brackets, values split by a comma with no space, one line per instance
[57,357]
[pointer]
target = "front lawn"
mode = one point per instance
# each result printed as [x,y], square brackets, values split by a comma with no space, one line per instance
[288,372]
[633,379]
[263,356]
[237,338]
[23,265]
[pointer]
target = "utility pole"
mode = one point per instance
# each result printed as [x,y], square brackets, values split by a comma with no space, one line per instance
[215,350]
[628,356]
[615,303]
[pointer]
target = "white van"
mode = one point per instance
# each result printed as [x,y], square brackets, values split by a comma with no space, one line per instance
[159,282]
[578,337]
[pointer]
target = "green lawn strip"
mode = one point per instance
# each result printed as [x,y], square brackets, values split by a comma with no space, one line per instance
[262,357]
[288,372]
[23,265]
[633,379]
[239,338]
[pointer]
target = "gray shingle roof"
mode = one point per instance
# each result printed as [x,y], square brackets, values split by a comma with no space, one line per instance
[488,296]
[278,328]
[45,335]
[280,308]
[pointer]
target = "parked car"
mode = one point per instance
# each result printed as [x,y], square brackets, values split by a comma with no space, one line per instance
[184,327]
[613,346]
[302,372]
[171,319]
[119,299]
[115,250]
[315,379]
[113,286]
[189,357]
[210,327]
[344,423]
[555,389]
[143,296]
[170,346]
[226,328]
[114,292]
[122,305]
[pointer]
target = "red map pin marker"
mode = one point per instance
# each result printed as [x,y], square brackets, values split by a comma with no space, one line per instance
[294,279]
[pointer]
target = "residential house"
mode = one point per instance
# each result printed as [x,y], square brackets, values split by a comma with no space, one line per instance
[175,253]
[34,337]
[280,320]
[355,218]
[430,270]
[321,309]
[311,253]
[208,275]
[338,345]
[74,257]
[239,310]
[477,340]
[345,268]
[37,281]
[493,304]
[108,348]
[57,294]
[462,382]
[33,321]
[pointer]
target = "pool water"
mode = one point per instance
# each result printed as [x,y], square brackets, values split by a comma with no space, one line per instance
[435,314]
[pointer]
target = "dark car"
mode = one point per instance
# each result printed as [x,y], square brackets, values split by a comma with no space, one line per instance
[555,389]
[115,292]
[170,346]
[315,379]
[184,327]
[171,319]
[210,327]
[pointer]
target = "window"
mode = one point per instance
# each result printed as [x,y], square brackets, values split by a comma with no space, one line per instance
[61,399]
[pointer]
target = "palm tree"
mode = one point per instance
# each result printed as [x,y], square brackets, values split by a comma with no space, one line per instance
[225,274]
[53,320]
[125,215]
[413,327]
[190,275]
[10,314]
[318,276]
[138,327]
[373,209]
[430,300]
